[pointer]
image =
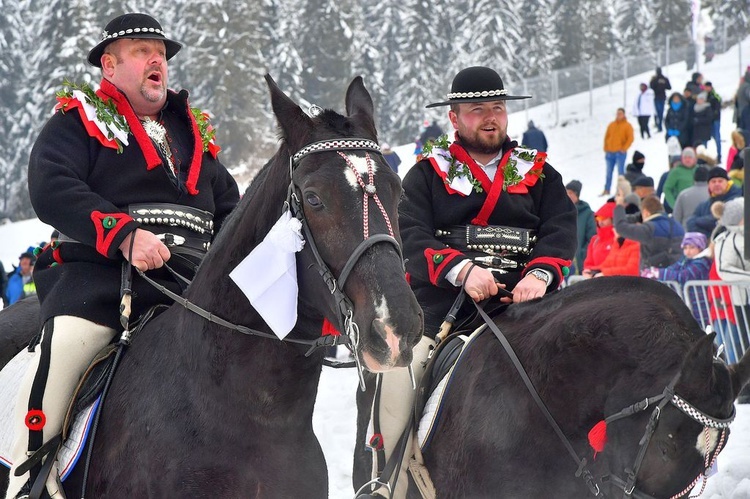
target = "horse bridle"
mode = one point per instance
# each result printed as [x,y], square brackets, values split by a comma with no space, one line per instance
[335,286]
[344,305]
[668,396]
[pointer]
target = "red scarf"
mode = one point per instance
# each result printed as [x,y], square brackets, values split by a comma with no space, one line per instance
[109,91]
[493,187]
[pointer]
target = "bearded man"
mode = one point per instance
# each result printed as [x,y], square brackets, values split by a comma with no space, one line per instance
[482,214]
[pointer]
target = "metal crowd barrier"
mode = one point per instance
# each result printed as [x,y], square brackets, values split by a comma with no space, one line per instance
[725,306]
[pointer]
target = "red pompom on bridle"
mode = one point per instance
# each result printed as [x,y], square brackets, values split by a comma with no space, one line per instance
[598,437]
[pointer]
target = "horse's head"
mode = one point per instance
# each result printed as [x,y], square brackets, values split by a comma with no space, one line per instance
[347,196]
[690,426]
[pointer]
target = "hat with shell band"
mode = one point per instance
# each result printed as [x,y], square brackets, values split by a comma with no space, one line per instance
[477,84]
[132,25]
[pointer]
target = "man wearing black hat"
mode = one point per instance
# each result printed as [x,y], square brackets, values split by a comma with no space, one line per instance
[482,214]
[634,170]
[720,188]
[644,187]
[118,172]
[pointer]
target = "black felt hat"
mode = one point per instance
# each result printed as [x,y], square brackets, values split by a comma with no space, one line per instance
[477,84]
[132,26]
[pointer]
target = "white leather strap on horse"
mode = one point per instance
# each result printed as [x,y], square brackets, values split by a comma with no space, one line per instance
[420,474]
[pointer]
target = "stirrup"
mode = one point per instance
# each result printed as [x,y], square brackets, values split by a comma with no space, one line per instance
[361,494]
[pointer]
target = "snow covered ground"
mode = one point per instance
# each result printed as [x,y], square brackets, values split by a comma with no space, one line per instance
[576,151]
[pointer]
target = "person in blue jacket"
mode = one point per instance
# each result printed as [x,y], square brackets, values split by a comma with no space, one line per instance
[20,281]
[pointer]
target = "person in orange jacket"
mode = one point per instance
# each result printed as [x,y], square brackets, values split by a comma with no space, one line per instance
[617,140]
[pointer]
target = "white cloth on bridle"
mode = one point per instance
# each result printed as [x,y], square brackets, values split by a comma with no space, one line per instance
[268,275]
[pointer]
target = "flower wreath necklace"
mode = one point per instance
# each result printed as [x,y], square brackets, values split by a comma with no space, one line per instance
[509,164]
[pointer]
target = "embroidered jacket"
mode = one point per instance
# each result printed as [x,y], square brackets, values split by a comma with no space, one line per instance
[429,203]
[82,185]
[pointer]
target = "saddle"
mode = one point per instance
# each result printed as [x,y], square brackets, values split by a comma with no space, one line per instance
[436,381]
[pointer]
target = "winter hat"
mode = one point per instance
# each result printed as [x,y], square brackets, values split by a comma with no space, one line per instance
[696,239]
[700,174]
[606,211]
[477,84]
[385,145]
[702,95]
[638,157]
[132,25]
[717,172]
[689,152]
[575,186]
[643,182]
[734,212]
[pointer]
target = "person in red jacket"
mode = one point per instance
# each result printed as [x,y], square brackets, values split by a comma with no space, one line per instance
[623,259]
[601,244]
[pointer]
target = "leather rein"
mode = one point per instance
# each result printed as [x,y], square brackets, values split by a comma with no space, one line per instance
[668,396]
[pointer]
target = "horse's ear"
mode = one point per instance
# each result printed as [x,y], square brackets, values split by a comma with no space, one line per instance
[295,125]
[359,105]
[740,373]
[698,365]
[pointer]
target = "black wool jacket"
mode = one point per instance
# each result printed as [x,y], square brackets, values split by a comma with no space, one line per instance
[80,184]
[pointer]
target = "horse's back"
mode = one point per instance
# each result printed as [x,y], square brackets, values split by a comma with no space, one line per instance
[19,323]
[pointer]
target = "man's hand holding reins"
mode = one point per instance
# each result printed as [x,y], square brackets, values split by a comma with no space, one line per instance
[479,283]
[148,251]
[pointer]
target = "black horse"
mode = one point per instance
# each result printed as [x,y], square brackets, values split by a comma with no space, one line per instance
[590,350]
[198,410]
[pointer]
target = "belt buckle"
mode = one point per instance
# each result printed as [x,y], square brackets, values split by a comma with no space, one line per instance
[171,239]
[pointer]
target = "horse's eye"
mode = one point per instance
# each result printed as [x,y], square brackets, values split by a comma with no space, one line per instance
[313,200]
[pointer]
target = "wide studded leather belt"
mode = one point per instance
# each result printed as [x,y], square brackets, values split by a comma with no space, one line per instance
[490,239]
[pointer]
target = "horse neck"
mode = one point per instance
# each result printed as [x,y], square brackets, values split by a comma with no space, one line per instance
[265,368]
[571,365]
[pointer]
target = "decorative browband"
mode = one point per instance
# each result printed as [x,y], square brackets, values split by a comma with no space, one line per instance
[699,417]
[336,145]
[470,95]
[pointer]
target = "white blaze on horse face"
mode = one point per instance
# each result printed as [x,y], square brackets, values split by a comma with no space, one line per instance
[713,440]
[384,315]
[360,163]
